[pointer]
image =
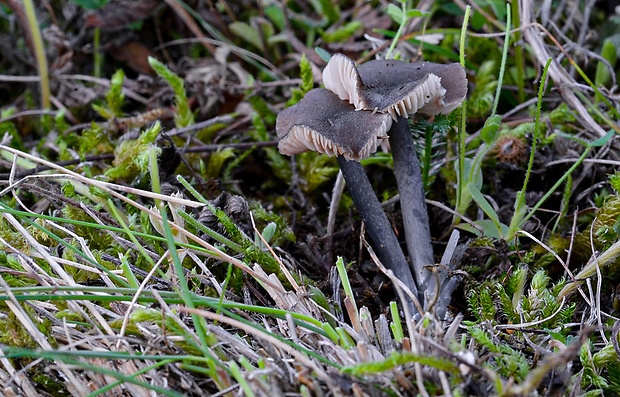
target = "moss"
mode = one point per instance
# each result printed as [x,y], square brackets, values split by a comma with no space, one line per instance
[14,334]
[604,230]
[128,162]
[14,279]
[51,385]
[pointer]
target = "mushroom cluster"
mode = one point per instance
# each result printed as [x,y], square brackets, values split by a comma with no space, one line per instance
[359,108]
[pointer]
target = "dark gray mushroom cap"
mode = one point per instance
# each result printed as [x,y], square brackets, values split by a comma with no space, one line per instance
[396,87]
[322,122]
[454,81]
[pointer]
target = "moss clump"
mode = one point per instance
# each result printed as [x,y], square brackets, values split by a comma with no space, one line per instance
[14,334]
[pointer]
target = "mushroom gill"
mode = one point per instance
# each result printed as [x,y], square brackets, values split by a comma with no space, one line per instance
[341,77]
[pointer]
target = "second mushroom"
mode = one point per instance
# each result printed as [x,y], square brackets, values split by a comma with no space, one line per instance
[360,108]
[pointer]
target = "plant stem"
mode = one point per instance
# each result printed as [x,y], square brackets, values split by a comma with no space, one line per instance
[39,53]
[382,236]
[502,66]
[519,63]
[461,182]
[98,58]
[412,204]
[399,32]
[518,217]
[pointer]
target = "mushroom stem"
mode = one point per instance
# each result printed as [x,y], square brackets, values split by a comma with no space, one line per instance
[382,236]
[413,206]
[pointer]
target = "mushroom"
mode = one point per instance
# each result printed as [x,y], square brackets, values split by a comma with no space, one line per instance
[322,122]
[396,87]
[401,89]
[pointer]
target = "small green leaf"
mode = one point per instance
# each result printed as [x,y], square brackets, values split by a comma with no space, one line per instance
[484,204]
[466,227]
[217,160]
[343,33]
[473,173]
[330,10]
[345,339]
[128,272]
[331,332]
[269,231]
[488,133]
[499,8]
[608,52]
[247,33]
[395,13]
[602,140]
[417,14]
[477,20]
[324,54]
[276,15]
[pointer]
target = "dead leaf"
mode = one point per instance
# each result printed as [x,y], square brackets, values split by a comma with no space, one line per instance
[136,55]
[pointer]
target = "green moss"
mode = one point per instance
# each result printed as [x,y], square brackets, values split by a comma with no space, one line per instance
[14,334]
[10,262]
[8,127]
[184,116]
[282,232]
[480,100]
[604,230]
[51,385]
[127,154]
[315,169]
[520,302]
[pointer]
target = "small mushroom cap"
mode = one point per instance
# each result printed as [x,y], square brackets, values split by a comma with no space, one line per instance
[396,87]
[454,81]
[322,122]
